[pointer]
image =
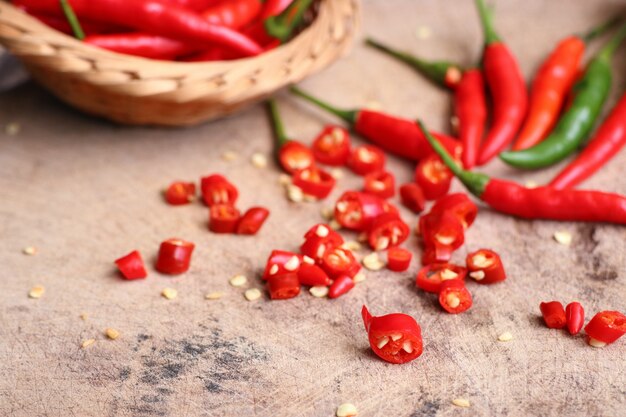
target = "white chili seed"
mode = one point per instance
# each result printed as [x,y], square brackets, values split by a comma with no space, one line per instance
[336,173]
[563,237]
[373,262]
[322,231]
[352,245]
[395,336]
[169,293]
[461,402]
[259,160]
[334,224]
[359,277]
[505,337]
[295,193]
[382,243]
[319,291]
[238,281]
[452,300]
[346,410]
[308,260]
[596,343]
[87,343]
[273,269]
[447,274]
[407,346]
[444,240]
[382,342]
[284,179]
[341,206]
[327,213]
[229,156]
[292,264]
[481,260]
[252,294]
[112,333]
[37,291]
[30,250]
[477,275]
[213,296]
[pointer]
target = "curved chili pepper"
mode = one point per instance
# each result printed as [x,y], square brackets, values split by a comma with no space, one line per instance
[398,259]
[431,277]
[174,256]
[485,266]
[393,134]
[604,145]
[553,314]
[252,221]
[387,230]
[454,297]
[507,87]
[590,94]
[606,327]
[283,286]
[381,184]
[292,155]
[180,193]
[537,203]
[575,315]
[366,159]
[332,146]
[131,266]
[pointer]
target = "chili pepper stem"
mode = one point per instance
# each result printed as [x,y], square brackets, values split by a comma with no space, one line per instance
[600,30]
[281,27]
[347,115]
[608,50]
[72,20]
[279,128]
[486,18]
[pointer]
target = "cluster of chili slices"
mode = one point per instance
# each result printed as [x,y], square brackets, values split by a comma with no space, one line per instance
[603,329]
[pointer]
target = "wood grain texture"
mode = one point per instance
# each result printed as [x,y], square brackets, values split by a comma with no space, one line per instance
[84,192]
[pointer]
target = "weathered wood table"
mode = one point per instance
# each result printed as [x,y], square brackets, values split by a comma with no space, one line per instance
[83,192]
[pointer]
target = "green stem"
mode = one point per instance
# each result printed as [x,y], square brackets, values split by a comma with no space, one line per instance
[72,20]
[348,115]
[600,29]
[486,20]
[607,51]
[277,123]
[473,181]
[282,26]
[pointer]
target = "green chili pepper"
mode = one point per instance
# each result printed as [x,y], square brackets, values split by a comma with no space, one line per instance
[590,93]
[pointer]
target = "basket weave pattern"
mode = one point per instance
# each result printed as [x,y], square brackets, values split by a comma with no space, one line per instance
[138,91]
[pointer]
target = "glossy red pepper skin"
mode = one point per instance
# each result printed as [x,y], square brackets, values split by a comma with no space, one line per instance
[139,44]
[553,314]
[131,266]
[395,338]
[283,286]
[318,240]
[338,262]
[605,144]
[312,275]
[223,218]
[485,267]
[366,159]
[454,297]
[442,233]
[195,5]
[398,259]
[357,211]
[430,278]
[179,193]
[216,189]
[575,316]
[387,230]
[332,146]
[340,286]
[606,326]
[174,256]
[470,106]
[459,205]
[433,177]
[252,221]
[381,184]
[280,263]
[234,14]
[294,156]
[314,181]
[412,197]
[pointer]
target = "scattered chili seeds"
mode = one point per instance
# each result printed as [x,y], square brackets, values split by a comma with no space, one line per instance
[169,293]
[229,156]
[563,237]
[213,296]
[29,250]
[238,281]
[461,402]
[346,410]
[252,294]
[505,337]
[37,291]
[373,262]
[259,160]
[319,291]
[87,343]
[112,333]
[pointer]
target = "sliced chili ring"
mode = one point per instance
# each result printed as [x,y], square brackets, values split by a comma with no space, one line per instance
[218,190]
[412,197]
[431,277]
[179,193]
[387,230]
[281,262]
[485,266]
[312,275]
[356,211]
[340,261]
[332,146]
[223,218]
[395,338]
[398,259]
[319,239]
[454,297]
[441,228]
[294,156]
[252,221]
[283,286]
[381,184]
[458,204]
[340,286]
[553,314]
[433,177]
[314,181]
[575,316]
[174,256]
[606,327]
[366,159]
[131,266]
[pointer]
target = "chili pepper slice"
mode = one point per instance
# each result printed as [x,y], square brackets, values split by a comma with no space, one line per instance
[174,256]
[340,261]
[553,314]
[283,286]
[340,286]
[433,177]
[381,184]
[412,197]
[398,259]
[223,218]
[395,338]
[281,262]
[314,181]
[312,275]
[366,159]
[319,239]
[606,327]
[252,221]
[179,193]
[387,230]
[458,204]
[454,297]
[292,155]
[216,189]
[131,266]
[575,316]
[332,146]
[357,211]
[431,277]
[442,233]
[485,266]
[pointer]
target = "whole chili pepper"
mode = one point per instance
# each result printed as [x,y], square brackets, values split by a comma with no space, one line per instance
[604,145]
[605,328]
[131,266]
[575,316]
[393,134]
[234,14]
[590,94]
[283,286]
[553,314]
[507,87]
[540,202]
[292,155]
[431,277]
[179,193]
[174,256]
[278,22]
[485,266]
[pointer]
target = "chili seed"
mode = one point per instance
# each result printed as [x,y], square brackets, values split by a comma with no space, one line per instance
[373,262]
[336,173]
[87,343]
[334,224]
[423,32]
[37,291]
[319,291]
[531,184]
[447,274]
[382,342]
[382,243]
[596,343]
[477,275]
[238,281]
[259,160]
[563,237]
[461,402]
[341,206]
[346,410]
[407,346]
[284,179]
[322,231]
[294,193]
[308,260]
[444,240]
[30,250]
[112,333]
[229,156]
[273,269]
[252,294]
[452,300]
[359,277]
[292,264]
[352,245]
[213,296]
[83,316]
[309,198]
[169,293]
[395,336]
[481,261]
[505,337]
[327,213]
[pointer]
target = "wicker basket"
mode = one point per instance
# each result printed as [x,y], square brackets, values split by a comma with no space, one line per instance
[138,91]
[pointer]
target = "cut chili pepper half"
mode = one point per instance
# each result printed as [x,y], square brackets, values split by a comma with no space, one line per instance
[606,327]
[395,338]
[131,266]
[553,314]
[179,193]
[430,278]
[398,259]
[442,233]
[433,177]
[381,184]
[340,286]
[387,230]
[366,159]
[223,218]
[218,190]
[281,262]
[458,204]
[283,286]
[340,261]
[357,211]
[454,297]
[485,266]
[314,181]
[252,221]
[312,275]
[319,239]
[294,156]
[412,197]
[174,256]
[575,316]
[332,146]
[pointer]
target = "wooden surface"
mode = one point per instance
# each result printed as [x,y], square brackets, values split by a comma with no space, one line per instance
[84,192]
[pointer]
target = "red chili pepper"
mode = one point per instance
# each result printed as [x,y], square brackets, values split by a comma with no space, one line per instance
[174,256]
[312,275]
[273,8]
[458,204]
[216,189]
[507,87]
[605,144]
[131,266]
[332,146]
[283,286]
[314,181]
[442,233]
[140,44]
[387,230]
[431,277]
[366,159]
[485,266]
[195,5]
[252,221]
[340,261]
[575,316]
[553,314]
[179,193]
[223,218]
[234,14]
[412,197]
[381,184]
[340,286]
[433,177]
[357,211]
[395,338]
[454,297]
[470,107]
[606,327]
[292,155]
[319,239]
[281,262]
[398,259]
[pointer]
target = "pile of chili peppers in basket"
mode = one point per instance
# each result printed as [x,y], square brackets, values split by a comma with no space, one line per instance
[182,30]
